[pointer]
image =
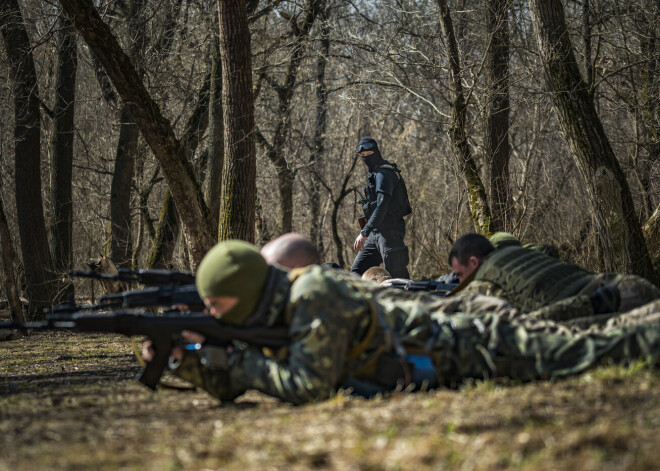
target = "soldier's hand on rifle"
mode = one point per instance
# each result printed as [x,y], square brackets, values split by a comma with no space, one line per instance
[360,240]
[148,352]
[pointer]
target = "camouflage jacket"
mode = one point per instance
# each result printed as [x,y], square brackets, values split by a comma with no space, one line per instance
[342,326]
[529,279]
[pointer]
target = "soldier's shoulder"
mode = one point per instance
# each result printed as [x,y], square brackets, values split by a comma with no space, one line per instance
[388,170]
[318,279]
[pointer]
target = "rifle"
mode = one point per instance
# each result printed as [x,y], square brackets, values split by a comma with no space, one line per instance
[148,277]
[433,287]
[163,330]
[166,295]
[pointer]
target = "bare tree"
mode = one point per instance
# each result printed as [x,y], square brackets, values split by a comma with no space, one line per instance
[162,249]
[344,191]
[239,172]
[10,280]
[275,147]
[37,259]
[320,127]
[457,127]
[444,110]
[216,138]
[652,234]
[127,149]
[649,35]
[496,134]
[156,130]
[164,241]
[622,245]
[61,226]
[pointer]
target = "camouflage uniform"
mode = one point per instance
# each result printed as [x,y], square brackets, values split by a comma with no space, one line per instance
[603,323]
[530,281]
[343,327]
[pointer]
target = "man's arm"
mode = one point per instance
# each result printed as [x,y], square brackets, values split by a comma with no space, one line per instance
[382,205]
[385,184]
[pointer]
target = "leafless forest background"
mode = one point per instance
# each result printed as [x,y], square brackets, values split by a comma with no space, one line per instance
[475,128]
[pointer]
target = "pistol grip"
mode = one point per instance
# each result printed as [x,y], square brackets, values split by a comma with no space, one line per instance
[155,368]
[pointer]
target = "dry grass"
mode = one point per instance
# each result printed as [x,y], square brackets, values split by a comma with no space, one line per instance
[70,402]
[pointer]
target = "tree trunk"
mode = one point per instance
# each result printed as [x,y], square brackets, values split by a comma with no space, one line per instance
[263,234]
[650,105]
[61,227]
[10,281]
[586,37]
[162,250]
[652,235]
[339,245]
[285,179]
[37,259]
[336,204]
[121,245]
[496,136]
[156,130]
[622,246]
[239,172]
[120,191]
[457,133]
[316,158]
[160,255]
[216,138]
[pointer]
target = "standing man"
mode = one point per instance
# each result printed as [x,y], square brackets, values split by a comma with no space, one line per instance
[385,204]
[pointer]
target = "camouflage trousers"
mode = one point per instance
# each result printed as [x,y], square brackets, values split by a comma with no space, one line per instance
[603,323]
[477,304]
[635,292]
[490,347]
[571,316]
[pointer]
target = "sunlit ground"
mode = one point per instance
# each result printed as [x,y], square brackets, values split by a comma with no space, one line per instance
[70,402]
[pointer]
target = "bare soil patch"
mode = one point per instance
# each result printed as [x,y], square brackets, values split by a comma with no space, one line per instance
[70,402]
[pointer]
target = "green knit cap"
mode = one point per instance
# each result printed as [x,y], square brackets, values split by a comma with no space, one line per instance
[503,239]
[233,268]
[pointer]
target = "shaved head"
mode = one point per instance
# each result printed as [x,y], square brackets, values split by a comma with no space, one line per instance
[377,274]
[291,250]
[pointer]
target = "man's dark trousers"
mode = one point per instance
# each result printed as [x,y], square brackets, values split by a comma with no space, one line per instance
[384,246]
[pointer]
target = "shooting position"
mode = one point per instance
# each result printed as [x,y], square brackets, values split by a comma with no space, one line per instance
[530,280]
[347,332]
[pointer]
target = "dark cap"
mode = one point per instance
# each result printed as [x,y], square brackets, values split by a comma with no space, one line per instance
[366,143]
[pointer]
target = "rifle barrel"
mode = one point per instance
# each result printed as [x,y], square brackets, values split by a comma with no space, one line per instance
[149,277]
[163,330]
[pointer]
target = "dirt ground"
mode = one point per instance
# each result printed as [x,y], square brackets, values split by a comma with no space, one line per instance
[70,402]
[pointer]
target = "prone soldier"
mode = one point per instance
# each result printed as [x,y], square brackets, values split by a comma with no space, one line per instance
[531,280]
[347,331]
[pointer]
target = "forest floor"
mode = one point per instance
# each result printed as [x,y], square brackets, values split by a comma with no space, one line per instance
[70,402]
